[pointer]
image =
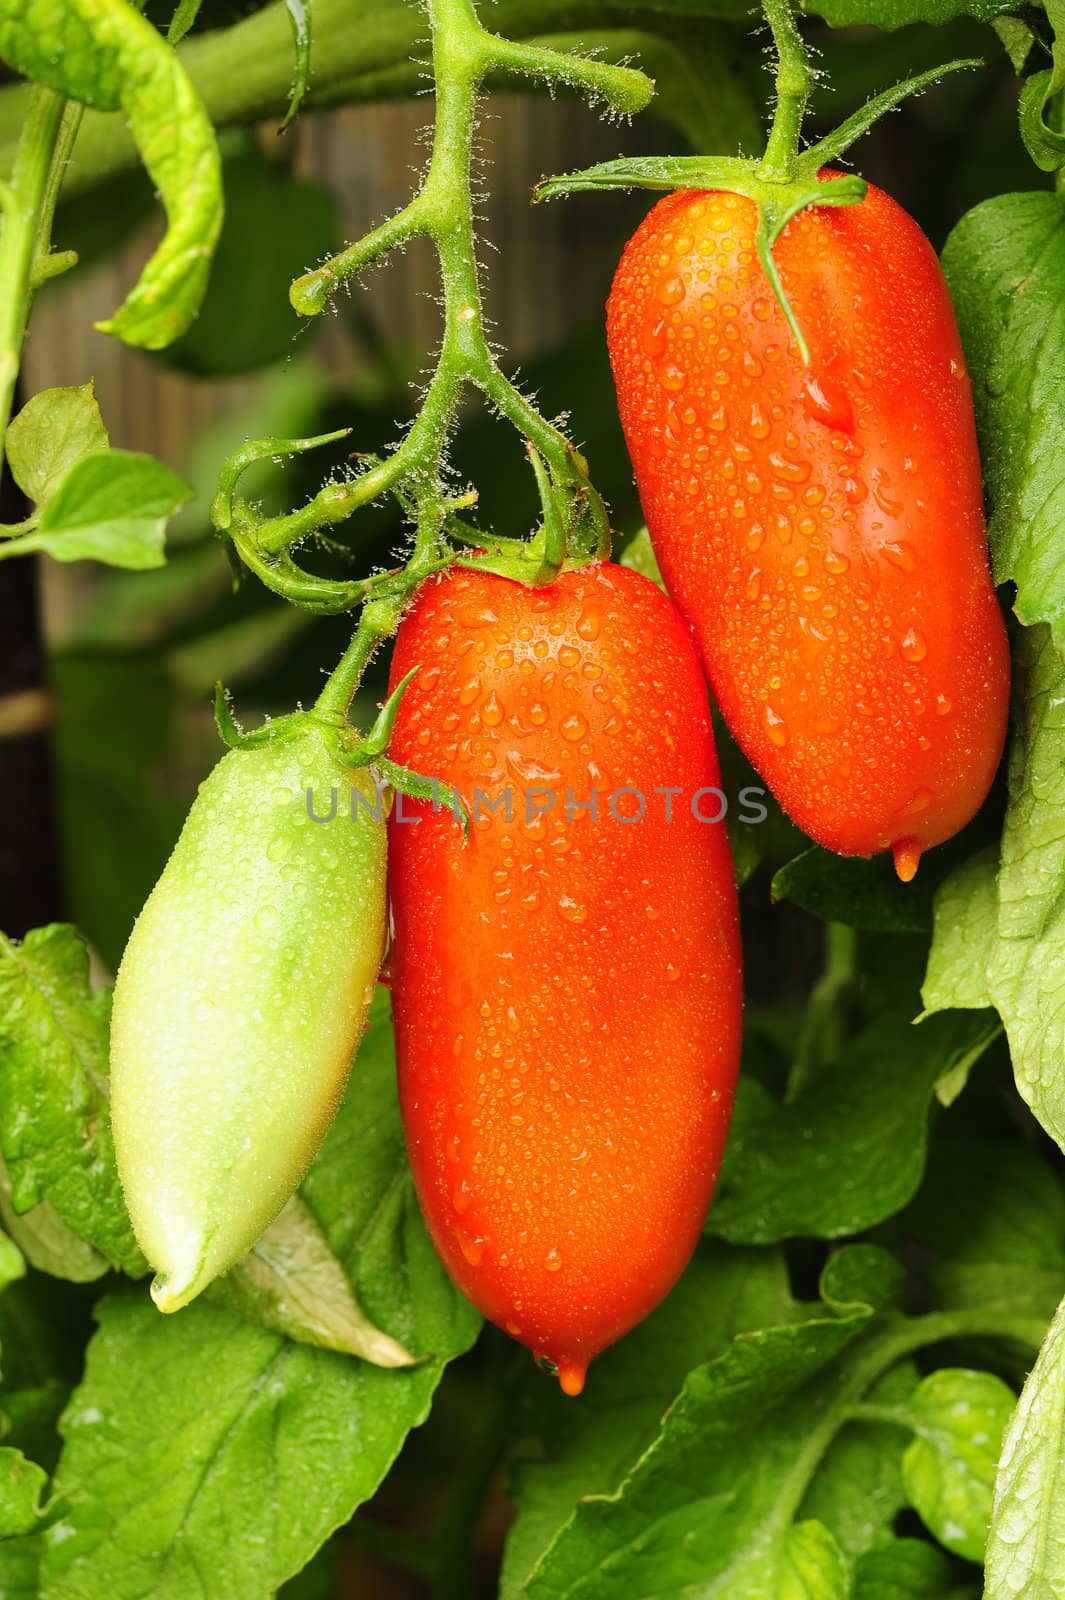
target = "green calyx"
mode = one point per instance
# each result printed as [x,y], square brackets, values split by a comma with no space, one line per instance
[349,748]
[781,183]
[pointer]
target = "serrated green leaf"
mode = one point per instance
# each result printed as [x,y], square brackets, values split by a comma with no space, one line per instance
[589,1449]
[1005,262]
[23,1486]
[849,1150]
[1026,969]
[858,1490]
[1026,1541]
[105,54]
[705,1504]
[53,431]
[964,926]
[111,507]
[12,1265]
[55,1130]
[904,1569]
[291,1282]
[47,1242]
[200,1442]
[948,1469]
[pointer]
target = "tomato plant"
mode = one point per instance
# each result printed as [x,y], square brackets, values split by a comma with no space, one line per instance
[277,1239]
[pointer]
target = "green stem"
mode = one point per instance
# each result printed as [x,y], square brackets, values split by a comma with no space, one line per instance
[794,82]
[882,1352]
[822,1031]
[26,229]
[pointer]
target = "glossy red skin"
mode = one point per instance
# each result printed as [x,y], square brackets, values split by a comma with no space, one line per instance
[566,994]
[823,531]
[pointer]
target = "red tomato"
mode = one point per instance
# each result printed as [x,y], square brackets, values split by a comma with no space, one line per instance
[566,989]
[821,528]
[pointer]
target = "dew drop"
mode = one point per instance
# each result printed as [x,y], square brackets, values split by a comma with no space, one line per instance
[943,705]
[553,1261]
[671,291]
[836,562]
[913,645]
[574,728]
[907,853]
[754,584]
[778,733]
[672,377]
[901,555]
[920,802]
[588,625]
[571,910]
[828,402]
[469,691]
[492,712]
[758,422]
[538,713]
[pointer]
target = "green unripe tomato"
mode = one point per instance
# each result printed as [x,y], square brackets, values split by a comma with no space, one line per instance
[240,1001]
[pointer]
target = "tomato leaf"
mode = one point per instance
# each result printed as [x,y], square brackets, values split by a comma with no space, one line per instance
[990,1220]
[1005,262]
[111,507]
[200,1442]
[22,1489]
[793,1168]
[51,433]
[292,1282]
[1027,1534]
[964,924]
[958,1417]
[281,224]
[54,1119]
[706,1500]
[862,894]
[588,1449]
[105,54]
[47,1242]
[900,13]
[12,1265]
[1021,963]
[906,1569]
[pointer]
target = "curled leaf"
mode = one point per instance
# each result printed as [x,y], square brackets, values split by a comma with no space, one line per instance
[105,54]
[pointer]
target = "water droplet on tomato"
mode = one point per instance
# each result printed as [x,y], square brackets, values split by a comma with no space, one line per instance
[778,733]
[920,802]
[754,584]
[469,691]
[672,377]
[588,625]
[901,555]
[574,727]
[473,1248]
[907,853]
[492,711]
[827,402]
[943,705]
[885,499]
[571,910]
[571,1376]
[788,471]
[836,562]
[913,645]
[553,1261]
[671,290]
[758,422]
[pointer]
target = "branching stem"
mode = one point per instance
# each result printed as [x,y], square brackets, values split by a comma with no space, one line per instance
[28,205]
